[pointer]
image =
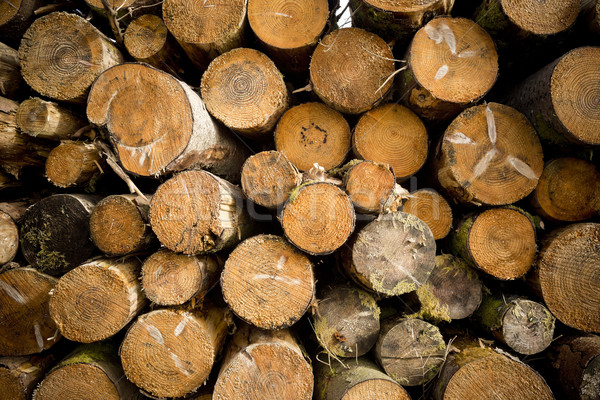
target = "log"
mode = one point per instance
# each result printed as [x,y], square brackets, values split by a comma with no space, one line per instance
[10,69]
[490,154]
[15,17]
[558,99]
[451,64]
[346,320]
[126,10]
[392,255]
[97,299]
[74,163]
[9,237]
[312,133]
[197,212]
[15,209]
[206,30]
[170,352]
[288,30]
[593,17]
[433,209]
[370,185]
[55,232]
[25,324]
[19,376]
[120,225]
[124,100]
[267,282]
[268,178]
[171,279]
[245,91]
[318,218]
[351,70]
[62,54]
[394,135]
[48,120]
[261,365]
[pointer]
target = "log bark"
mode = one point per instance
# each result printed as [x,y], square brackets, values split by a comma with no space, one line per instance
[267,365]
[126,10]
[451,64]
[16,16]
[48,120]
[62,54]
[267,282]
[433,209]
[196,212]
[19,376]
[74,163]
[351,70]
[490,154]
[312,133]
[9,237]
[10,69]
[170,352]
[124,100]
[25,323]
[370,185]
[15,209]
[171,279]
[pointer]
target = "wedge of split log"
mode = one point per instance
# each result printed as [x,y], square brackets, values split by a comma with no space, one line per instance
[9,237]
[10,69]
[170,352]
[451,63]
[559,99]
[19,376]
[370,186]
[267,282]
[264,365]
[47,120]
[244,89]
[62,54]
[124,99]
[74,163]
[25,323]
[16,16]
[433,209]
[197,212]
[351,70]
[490,154]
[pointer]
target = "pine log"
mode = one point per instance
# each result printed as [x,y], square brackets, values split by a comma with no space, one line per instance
[288,30]
[312,133]
[431,208]
[267,282]
[25,323]
[97,299]
[369,185]
[264,365]
[245,91]
[559,99]
[451,63]
[16,16]
[120,224]
[10,69]
[206,30]
[268,178]
[9,238]
[490,154]
[169,352]
[20,375]
[182,136]
[47,120]
[62,54]
[566,275]
[318,218]
[171,279]
[55,232]
[197,212]
[346,320]
[392,255]
[394,135]
[74,163]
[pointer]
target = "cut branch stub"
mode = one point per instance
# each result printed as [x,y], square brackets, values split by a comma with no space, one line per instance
[431,208]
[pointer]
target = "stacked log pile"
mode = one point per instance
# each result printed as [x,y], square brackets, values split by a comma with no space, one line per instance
[250,199]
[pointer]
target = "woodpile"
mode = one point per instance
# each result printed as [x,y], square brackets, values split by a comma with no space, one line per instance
[299,199]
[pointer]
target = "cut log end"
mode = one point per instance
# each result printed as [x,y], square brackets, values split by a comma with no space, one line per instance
[369,186]
[527,326]
[11,385]
[541,18]
[73,163]
[47,120]
[77,381]
[431,208]
[145,36]
[9,237]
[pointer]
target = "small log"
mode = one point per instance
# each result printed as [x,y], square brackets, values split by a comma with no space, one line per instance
[171,279]
[346,320]
[10,69]
[318,218]
[55,232]
[394,135]
[182,136]
[312,133]
[262,364]
[267,282]
[169,352]
[47,120]
[351,70]
[73,163]
[62,54]
[97,299]
[9,237]
[19,376]
[16,16]
[431,208]
[197,212]
[268,178]
[245,91]
[120,224]
[490,154]
[392,255]
[370,185]
[451,64]
[25,324]
[288,30]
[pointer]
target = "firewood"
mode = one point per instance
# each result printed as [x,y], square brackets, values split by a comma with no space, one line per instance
[19,376]
[48,120]
[10,69]
[431,208]
[370,185]
[16,16]
[73,163]
[9,237]
[62,54]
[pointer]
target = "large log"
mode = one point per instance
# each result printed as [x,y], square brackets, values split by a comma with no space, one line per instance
[10,69]
[19,376]
[48,120]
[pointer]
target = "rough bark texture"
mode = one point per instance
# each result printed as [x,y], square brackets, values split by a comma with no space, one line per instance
[10,69]
[16,16]
[48,120]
